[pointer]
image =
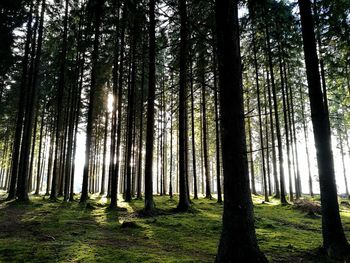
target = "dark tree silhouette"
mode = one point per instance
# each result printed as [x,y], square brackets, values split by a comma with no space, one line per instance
[238,240]
[334,241]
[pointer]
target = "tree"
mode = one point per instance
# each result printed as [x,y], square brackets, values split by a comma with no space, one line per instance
[149,204]
[238,240]
[334,241]
[93,86]
[184,202]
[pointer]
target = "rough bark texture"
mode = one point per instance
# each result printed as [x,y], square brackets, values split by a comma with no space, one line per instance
[238,240]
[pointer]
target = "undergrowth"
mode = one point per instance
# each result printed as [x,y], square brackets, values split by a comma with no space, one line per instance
[45,231]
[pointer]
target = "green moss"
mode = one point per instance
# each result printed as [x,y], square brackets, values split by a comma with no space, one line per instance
[44,231]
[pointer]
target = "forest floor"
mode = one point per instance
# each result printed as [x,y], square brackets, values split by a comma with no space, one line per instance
[44,231]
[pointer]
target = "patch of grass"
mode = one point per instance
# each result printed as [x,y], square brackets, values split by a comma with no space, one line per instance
[45,231]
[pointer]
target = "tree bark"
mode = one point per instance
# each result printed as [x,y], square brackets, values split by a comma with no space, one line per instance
[238,240]
[93,87]
[149,204]
[334,241]
[184,202]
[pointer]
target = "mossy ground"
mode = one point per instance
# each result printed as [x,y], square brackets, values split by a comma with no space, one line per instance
[44,231]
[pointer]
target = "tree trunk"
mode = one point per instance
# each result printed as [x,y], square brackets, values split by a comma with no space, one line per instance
[59,96]
[286,129]
[273,144]
[139,175]
[238,240]
[93,87]
[306,139]
[149,204]
[21,110]
[37,188]
[334,241]
[130,114]
[261,136]
[112,186]
[340,136]
[184,202]
[104,163]
[217,125]
[193,139]
[30,120]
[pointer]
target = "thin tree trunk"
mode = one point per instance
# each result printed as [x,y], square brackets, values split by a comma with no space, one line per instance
[21,110]
[286,129]
[93,87]
[184,202]
[217,133]
[278,130]
[139,176]
[104,163]
[266,194]
[116,101]
[60,92]
[273,144]
[38,172]
[306,139]
[195,188]
[131,96]
[343,162]
[149,204]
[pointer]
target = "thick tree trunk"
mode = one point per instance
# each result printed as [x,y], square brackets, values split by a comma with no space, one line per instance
[238,240]
[334,241]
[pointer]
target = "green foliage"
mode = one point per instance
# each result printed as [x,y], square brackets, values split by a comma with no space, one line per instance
[44,231]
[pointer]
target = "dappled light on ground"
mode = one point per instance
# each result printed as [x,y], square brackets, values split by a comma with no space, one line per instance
[44,231]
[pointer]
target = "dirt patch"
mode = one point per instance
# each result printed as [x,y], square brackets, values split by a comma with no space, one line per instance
[308,207]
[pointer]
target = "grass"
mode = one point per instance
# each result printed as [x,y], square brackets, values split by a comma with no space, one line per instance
[44,231]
